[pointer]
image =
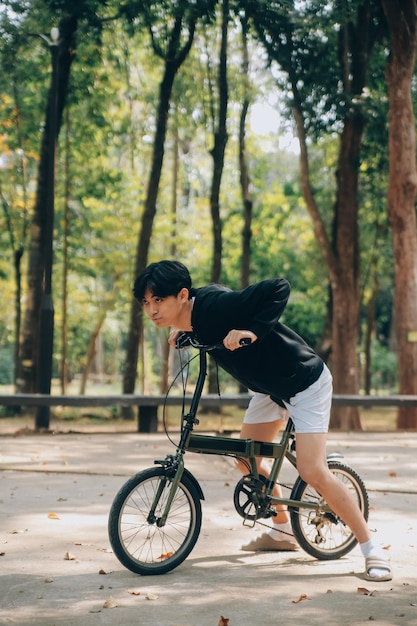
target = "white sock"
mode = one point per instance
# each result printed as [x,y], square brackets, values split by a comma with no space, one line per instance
[281,531]
[369,548]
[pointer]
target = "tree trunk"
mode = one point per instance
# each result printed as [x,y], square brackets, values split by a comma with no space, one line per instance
[29,345]
[344,276]
[64,328]
[91,352]
[218,151]
[402,22]
[243,165]
[341,258]
[175,58]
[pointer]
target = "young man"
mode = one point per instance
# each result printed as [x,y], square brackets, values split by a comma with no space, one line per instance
[281,370]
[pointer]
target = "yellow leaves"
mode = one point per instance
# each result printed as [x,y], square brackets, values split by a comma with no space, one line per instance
[110,603]
[300,598]
[134,592]
[53,516]
[151,596]
[165,556]
[363,591]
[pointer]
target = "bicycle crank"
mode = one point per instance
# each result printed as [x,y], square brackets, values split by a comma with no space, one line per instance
[250,500]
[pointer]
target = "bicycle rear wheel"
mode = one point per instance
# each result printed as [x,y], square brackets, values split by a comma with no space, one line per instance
[323,534]
[137,541]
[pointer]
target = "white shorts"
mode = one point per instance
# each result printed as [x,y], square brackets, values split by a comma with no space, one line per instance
[309,409]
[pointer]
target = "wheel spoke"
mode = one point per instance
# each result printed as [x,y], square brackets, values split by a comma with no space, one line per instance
[142,545]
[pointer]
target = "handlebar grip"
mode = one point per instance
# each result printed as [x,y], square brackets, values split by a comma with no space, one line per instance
[246,341]
[183,341]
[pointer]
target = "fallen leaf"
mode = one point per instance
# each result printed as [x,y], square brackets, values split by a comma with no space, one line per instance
[329,591]
[110,603]
[101,571]
[223,621]
[300,599]
[48,580]
[69,557]
[53,516]
[151,596]
[387,547]
[2,553]
[392,474]
[165,556]
[134,592]
[363,591]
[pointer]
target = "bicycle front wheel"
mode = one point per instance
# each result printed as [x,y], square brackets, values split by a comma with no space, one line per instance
[138,541]
[321,533]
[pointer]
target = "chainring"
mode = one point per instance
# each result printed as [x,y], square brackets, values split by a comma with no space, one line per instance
[250,500]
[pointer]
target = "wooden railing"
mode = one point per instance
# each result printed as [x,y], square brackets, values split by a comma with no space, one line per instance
[148,404]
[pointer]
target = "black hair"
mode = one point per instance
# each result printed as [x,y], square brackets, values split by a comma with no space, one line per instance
[164,278]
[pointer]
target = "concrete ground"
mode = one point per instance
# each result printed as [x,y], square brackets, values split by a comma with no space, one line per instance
[56,566]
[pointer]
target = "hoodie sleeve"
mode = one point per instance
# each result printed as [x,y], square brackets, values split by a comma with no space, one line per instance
[257,308]
[270,302]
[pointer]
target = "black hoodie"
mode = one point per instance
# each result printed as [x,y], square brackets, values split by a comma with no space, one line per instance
[279,363]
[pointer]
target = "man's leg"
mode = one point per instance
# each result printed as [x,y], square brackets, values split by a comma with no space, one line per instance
[312,467]
[279,537]
[267,431]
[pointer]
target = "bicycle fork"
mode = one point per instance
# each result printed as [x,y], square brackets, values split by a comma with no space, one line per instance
[172,475]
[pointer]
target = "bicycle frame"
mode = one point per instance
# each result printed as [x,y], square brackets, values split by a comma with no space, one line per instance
[156,516]
[229,446]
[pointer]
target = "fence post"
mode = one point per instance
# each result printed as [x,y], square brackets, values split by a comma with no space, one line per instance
[147,419]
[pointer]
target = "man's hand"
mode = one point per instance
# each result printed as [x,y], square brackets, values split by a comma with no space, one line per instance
[173,336]
[234,337]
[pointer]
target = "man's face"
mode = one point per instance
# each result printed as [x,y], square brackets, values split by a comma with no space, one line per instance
[164,312]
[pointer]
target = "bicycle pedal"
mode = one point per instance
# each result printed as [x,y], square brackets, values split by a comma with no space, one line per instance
[249,523]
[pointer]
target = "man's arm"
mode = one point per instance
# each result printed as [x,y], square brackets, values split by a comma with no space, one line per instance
[269,299]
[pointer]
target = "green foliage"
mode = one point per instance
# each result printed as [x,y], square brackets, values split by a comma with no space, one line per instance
[104,157]
[6,366]
[384,368]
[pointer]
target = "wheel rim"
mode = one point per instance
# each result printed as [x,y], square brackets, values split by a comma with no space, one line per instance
[146,543]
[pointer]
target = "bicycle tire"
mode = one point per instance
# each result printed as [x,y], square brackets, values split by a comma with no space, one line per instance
[320,534]
[141,546]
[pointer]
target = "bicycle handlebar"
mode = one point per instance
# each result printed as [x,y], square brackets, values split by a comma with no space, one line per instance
[185,340]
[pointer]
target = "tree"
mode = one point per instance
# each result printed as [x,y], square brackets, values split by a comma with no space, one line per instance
[171,28]
[68,24]
[28,357]
[402,24]
[219,122]
[243,161]
[18,129]
[326,64]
